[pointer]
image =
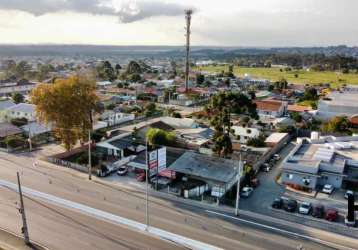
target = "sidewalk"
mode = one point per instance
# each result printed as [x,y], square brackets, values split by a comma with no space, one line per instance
[11,241]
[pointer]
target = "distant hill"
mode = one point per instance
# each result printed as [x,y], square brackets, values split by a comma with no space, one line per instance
[199,52]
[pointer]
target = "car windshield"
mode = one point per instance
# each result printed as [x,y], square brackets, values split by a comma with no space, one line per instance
[305,205]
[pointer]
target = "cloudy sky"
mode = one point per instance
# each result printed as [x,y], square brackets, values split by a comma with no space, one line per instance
[161,22]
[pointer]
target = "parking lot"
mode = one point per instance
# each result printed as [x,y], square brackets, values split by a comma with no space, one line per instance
[263,196]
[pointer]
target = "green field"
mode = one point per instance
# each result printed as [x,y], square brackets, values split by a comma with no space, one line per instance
[303,76]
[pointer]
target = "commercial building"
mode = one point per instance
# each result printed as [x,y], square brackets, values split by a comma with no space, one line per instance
[322,160]
[343,103]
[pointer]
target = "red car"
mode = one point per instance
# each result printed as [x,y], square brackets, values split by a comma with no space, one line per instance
[141,177]
[331,214]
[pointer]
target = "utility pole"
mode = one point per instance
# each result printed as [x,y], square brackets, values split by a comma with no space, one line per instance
[238,187]
[89,148]
[146,184]
[30,142]
[89,156]
[188,14]
[24,228]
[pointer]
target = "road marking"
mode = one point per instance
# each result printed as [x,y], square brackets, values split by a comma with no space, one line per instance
[178,239]
[330,244]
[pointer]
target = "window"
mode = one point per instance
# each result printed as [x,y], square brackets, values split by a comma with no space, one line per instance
[290,176]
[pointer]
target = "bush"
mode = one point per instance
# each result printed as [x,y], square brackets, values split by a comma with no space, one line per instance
[258,142]
[15,141]
[19,122]
[157,136]
[83,159]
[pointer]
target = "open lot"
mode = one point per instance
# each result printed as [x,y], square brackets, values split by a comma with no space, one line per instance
[303,76]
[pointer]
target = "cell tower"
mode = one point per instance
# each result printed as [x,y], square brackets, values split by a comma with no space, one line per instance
[188,14]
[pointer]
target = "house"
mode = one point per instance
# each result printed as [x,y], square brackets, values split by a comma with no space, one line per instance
[337,103]
[194,137]
[115,118]
[35,128]
[243,134]
[317,161]
[270,108]
[7,129]
[277,139]
[21,110]
[4,105]
[218,175]
[9,87]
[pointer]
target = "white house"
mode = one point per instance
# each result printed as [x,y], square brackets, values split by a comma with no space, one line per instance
[115,118]
[21,110]
[271,108]
[244,134]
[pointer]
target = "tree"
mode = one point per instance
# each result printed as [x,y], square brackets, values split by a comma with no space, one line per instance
[21,68]
[18,98]
[150,109]
[156,136]
[67,105]
[135,77]
[258,142]
[252,94]
[200,79]
[105,71]
[220,108]
[338,124]
[281,84]
[133,68]
[296,117]
[310,94]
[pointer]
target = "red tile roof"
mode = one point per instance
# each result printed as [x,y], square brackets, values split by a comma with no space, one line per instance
[268,105]
[298,108]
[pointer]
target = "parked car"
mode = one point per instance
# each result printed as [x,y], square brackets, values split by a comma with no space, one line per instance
[246,192]
[265,167]
[348,192]
[290,205]
[122,171]
[318,211]
[328,189]
[277,157]
[331,214]
[277,203]
[255,182]
[305,208]
[141,177]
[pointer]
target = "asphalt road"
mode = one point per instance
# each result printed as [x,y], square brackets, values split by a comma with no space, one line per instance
[60,227]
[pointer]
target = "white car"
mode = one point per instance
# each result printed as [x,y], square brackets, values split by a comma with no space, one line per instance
[276,157]
[246,192]
[305,208]
[328,189]
[348,192]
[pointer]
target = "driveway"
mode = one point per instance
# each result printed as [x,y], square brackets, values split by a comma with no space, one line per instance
[268,189]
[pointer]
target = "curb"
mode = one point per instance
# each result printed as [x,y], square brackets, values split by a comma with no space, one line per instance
[35,245]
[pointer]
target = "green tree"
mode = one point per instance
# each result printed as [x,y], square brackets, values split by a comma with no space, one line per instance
[258,142]
[18,98]
[338,124]
[105,71]
[200,79]
[161,137]
[150,109]
[220,108]
[67,105]
[296,117]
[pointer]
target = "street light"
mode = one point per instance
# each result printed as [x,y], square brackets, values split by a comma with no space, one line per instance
[146,184]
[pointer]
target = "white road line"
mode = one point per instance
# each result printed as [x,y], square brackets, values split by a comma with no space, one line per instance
[181,240]
[283,231]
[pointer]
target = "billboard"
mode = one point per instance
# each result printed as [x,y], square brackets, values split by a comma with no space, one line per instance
[157,161]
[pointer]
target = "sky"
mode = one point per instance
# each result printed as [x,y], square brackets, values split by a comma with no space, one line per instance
[263,23]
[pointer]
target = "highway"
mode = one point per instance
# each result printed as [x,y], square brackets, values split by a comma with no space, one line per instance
[66,211]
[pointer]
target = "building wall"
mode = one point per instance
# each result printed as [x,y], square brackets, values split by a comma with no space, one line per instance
[297,179]
[16,114]
[335,181]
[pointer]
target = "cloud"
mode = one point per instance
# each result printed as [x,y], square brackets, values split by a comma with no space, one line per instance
[41,7]
[132,11]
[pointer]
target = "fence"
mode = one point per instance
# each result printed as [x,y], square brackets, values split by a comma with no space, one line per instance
[68,164]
